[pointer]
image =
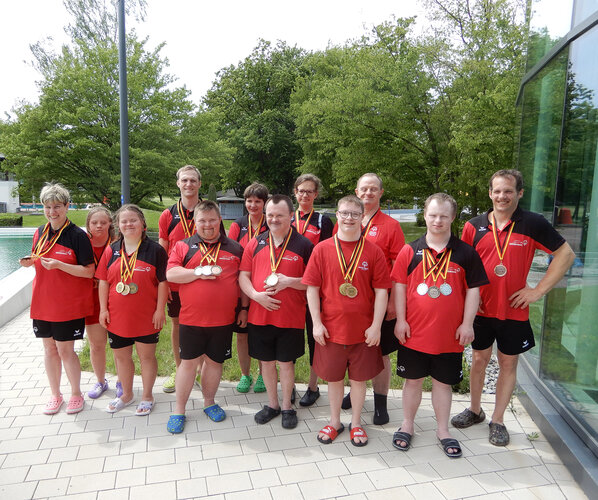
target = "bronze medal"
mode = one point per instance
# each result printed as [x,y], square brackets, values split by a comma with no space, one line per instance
[126,290]
[133,288]
[351,291]
[433,292]
[120,286]
[500,270]
[446,289]
[422,289]
[216,270]
[271,280]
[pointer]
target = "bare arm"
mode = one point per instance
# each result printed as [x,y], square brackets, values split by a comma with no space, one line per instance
[164,244]
[313,300]
[262,298]
[159,317]
[465,332]
[103,289]
[179,274]
[372,334]
[402,330]
[563,258]
[73,269]
[286,282]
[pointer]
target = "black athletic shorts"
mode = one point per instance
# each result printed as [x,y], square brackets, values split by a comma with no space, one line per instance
[213,341]
[512,337]
[270,343]
[446,367]
[174,306]
[60,331]
[388,342]
[118,342]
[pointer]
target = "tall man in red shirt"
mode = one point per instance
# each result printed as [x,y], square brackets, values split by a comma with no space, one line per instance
[347,292]
[206,267]
[506,237]
[437,279]
[271,271]
[176,223]
[386,232]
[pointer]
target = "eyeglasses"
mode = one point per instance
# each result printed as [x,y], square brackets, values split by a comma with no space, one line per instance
[304,192]
[352,215]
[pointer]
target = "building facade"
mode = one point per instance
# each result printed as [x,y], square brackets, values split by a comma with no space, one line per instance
[557,153]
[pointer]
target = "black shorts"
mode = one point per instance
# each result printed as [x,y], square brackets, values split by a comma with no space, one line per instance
[311,342]
[512,337]
[270,343]
[213,341]
[60,331]
[388,342]
[118,342]
[174,306]
[446,367]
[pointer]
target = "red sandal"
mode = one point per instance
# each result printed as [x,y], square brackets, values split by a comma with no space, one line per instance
[358,432]
[331,432]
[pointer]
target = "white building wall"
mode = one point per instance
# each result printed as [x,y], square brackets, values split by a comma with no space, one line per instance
[6,191]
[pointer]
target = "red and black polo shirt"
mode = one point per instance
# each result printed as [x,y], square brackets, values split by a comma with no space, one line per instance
[60,296]
[531,232]
[319,227]
[241,231]
[131,315]
[208,303]
[256,260]
[434,322]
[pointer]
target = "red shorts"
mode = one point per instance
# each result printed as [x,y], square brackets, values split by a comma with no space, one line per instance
[332,361]
[95,317]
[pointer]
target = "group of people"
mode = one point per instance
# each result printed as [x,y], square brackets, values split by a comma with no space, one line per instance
[356,288]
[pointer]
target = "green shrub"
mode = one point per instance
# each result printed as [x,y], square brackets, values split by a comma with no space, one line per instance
[11,220]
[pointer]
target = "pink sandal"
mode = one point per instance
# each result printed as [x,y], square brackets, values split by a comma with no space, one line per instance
[75,405]
[53,406]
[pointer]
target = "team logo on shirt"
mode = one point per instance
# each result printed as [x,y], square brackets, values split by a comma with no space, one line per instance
[373,231]
[419,252]
[521,243]
[194,245]
[294,258]
[143,269]
[483,228]
[77,333]
[63,252]
[313,230]
[262,242]
[364,266]
[454,270]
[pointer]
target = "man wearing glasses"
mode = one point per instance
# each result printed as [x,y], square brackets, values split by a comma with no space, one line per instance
[347,281]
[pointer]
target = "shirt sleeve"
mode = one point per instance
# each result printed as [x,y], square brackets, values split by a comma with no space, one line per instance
[102,269]
[83,249]
[163,224]
[546,237]
[177,255]
[397,242]
[247,260]
[381,277]
[234,231]
[475,274]
[313,272]
[326,229]
[468,233]
[399,271]
[161,261]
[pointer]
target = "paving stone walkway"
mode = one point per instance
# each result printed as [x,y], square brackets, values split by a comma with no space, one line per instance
[96,455]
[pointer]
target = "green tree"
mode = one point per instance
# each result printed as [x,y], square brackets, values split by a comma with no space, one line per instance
[251,101]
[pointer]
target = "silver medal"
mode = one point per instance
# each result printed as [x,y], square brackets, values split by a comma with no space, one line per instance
[446,289]
[422,289]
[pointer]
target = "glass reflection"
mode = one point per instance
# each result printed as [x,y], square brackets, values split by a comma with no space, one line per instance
[550,21]
[583,9]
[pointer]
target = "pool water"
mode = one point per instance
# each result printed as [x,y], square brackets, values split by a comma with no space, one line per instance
[12,248]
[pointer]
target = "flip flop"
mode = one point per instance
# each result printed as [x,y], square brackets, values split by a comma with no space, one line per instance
[449,443]
[176,424]
[144,408]
[53,406]
[331,432]
[75,405]
[357,432]
[215,413]
[401,436]
[118,404]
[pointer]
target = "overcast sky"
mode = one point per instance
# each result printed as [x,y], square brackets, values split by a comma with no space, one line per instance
[201,36]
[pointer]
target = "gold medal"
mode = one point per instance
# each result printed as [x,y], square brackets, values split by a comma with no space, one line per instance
[216,270]
[271,280]
[500,270]
[433,292]
[343,289]
[133,288]
[120,286]
[348,270]
[351,291]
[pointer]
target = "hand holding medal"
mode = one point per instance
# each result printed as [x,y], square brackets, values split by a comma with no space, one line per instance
[208,269]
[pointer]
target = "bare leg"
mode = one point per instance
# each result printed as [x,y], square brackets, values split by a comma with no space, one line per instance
[287,381]
[125,370]
[507,377]
[313,382]
[477,374]
[381,382]
[149,368]
[358,389]
[210,380]
[53,365]
[243,353]
[185,376]
[412,397]
[335,397]
[72,366]
[442,396]
[270,376]
[174,340]
[96,335]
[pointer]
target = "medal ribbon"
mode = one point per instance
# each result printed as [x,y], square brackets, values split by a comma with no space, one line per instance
[365,230]
[501,249]
[43,246]
[209,254]
[95,259]
[349,270]
[274,262]
[188,225]
[298,221]
[436,268]
[127,264]
[259,226]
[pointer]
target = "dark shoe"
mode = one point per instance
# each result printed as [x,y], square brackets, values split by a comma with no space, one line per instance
[450,443]
[346,404]
[289,419]
[467,418]
[310,397]
[499,435]
[293,396]
[401,436]
[266,414]
[380,412]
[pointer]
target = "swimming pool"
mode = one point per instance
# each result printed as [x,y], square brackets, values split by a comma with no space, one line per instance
[12,248]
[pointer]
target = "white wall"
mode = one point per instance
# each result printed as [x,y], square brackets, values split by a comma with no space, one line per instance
[6,190]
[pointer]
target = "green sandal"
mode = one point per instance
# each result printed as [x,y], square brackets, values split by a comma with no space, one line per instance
[259,385]
[245,383]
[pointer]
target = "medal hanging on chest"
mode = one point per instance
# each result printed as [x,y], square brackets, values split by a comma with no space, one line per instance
[127,268]
[300,230]
[252,233]
[45,243]
[208,264]
[272,279]
[188,225]
[500,269]
[436,269]
[347,289]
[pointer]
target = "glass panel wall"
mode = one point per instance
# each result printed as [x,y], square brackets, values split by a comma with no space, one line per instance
[583,10]
[550,21]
